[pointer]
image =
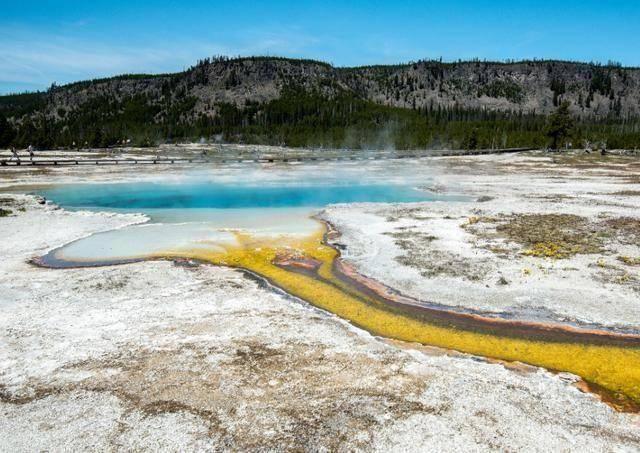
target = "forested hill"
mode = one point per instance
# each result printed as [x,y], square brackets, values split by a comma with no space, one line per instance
[309,103]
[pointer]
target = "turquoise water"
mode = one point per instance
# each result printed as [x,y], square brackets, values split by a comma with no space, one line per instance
[144,196]
[190,215]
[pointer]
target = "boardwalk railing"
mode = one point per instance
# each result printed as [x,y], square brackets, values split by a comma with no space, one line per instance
[63,162]
[259,158]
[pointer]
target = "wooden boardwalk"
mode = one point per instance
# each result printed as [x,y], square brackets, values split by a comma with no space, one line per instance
[67,162]
[265,158]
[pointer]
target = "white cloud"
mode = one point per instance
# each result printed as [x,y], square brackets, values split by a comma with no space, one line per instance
[30,58]
[35,59]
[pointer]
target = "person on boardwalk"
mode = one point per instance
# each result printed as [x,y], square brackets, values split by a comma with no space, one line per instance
[30,149]
[14,153]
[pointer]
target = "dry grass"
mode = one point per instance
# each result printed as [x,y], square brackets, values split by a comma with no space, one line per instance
[551,235]
[431,262]
[407,239]
[627,229]
[630,260]
[554,235]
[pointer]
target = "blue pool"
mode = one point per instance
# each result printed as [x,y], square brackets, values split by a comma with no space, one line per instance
[143,196]
[205,214]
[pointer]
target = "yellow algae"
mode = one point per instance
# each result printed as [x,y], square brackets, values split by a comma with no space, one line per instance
[612,367]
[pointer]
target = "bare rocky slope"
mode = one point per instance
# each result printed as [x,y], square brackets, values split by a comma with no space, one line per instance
[528,86]
[426,104]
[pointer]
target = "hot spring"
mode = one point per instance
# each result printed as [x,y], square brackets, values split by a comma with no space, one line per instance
[266,227]
[206,214]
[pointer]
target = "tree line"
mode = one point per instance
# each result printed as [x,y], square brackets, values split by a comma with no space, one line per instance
[303,118]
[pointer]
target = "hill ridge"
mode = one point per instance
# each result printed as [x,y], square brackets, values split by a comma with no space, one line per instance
[215,92]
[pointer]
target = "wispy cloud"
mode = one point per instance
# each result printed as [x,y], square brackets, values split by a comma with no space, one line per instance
[285,41]
[36,60]
[32,59]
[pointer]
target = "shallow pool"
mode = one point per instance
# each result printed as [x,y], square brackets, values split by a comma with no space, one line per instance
[226,196]
[189,215]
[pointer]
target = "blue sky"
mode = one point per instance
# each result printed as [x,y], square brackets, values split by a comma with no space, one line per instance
[62,41]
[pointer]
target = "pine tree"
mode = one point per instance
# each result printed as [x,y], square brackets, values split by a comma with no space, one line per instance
[560,125]
[7,132]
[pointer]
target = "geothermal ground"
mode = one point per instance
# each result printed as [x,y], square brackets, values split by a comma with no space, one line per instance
[184,356]
[547,237]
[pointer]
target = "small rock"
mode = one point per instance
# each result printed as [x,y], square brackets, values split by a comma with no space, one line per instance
[185,262]
[503,281]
